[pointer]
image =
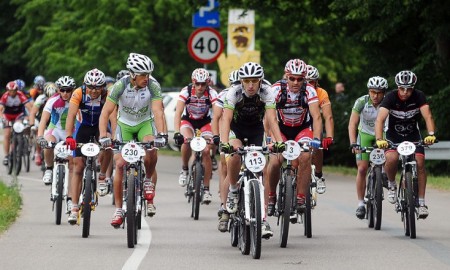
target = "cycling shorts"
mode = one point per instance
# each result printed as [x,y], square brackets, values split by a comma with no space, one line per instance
[394,138]
[193,125]
[296,133]
[126,133]
[59,134]
[83,134]
[255,135]
[12,117]
[364,140]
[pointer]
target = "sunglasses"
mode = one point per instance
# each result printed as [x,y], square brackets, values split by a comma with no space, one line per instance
[405,89]
[65,90]
[293,79]
[247,81]
[95,87]
[375,92]
[143,75]
[200,83]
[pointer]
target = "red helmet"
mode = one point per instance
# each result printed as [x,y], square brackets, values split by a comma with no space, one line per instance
[12,86]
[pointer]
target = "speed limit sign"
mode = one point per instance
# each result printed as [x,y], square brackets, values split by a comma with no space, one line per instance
[205,45]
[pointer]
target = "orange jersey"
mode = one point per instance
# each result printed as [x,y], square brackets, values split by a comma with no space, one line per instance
[34,93]
[323,97]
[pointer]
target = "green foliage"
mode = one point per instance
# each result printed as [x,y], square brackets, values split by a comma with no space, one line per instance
[10,203]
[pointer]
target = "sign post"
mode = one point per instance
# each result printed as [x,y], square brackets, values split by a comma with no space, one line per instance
[205,45]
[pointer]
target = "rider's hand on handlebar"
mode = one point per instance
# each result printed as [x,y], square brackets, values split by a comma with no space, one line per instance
[278,147]
[71,142]
[383,144]
[178,138]
[216,139]
[226,148]
[327,142]
[161,140]
[105,142]
[41,141]
[430,139]
[315,143]
[356,148]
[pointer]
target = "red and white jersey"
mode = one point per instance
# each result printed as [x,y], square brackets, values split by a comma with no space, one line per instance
[197,107]
[14,105]
[293,114]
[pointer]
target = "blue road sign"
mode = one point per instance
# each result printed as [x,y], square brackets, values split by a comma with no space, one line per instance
[209,19]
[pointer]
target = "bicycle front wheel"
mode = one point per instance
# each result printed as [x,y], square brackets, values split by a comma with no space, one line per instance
[59,195]
[131,209]
[198,177]
[378,196]
[307,214]
[255,219]
[18,155]
[287,192]
[410,201]
[26,154]
[370,196]
[87,198]
[244,230]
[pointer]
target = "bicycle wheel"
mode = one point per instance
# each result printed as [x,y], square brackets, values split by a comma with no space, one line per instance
[378,197]
[43,162]
[244,230]
[26,154]
[255,219]
[411,204]
[307,214]
[87,199]
[403,204]
[131,208]
[286,195]
[234,232]
[18,155]
[11,155]
[59,194]
[370,194]
[198,178]
[141,202]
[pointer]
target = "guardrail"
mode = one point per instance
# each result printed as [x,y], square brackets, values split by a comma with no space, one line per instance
[438,151]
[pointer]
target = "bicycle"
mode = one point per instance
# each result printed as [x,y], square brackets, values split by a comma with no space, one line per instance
[287,186]
[60,177]
[246,224]
[133,202]
[194,188]
[17,144]
[89,195]
[374,189]
[408,187]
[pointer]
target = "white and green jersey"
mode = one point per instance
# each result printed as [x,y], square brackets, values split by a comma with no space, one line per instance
[135,105]
[367,114]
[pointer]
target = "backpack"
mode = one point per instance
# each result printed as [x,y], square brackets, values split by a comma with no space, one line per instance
[207,101]
[283,98]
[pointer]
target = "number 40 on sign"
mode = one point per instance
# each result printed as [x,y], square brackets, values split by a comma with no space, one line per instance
[205,45]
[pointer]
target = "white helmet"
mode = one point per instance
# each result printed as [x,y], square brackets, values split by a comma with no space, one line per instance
[65,82]
[377,82]
[296,67]
[233,77]
[121,74]
[139,63]
[312,73]
[94,77]
[50,89]
[251,70]
[406,78]
[200,75]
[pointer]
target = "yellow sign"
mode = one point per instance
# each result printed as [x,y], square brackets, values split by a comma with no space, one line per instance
[233,61]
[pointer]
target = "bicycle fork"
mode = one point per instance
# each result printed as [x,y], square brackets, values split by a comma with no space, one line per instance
[55,181]
[247,198]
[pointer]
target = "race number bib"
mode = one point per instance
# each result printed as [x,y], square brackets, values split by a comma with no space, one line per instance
[62,150]
[198,144]
[255,161]
[406,148]
[131,152]
[377,156]
[90,149]
[292,150]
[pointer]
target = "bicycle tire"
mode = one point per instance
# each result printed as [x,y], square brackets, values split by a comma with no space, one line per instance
[198,175]
[402,201]
[234,232]
[87,199]
[255,219]
[286,195]
[131,209]
[11,156]
[18,156]
[307,214]
[244,229]
[59,191]
[43,161]
[410,200]
[378,198]
[370,193]
[26,154]
[141,204]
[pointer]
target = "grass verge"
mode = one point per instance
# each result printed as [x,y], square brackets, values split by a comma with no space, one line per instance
[10,203]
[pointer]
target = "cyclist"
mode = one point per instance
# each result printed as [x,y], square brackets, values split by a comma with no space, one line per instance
[299,114]
[193,112]
[404,107]
[12,108]
[38,87]
[312,77]
[20,84]
[246,105]
[36,112]
[86,102]
[55,111]
[361,132]
[140,109]
[216,122]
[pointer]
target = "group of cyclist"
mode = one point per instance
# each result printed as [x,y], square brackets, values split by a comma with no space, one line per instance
[250,110]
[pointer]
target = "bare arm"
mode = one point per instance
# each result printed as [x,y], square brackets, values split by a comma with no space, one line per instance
[107,110]
[158,111]
[70,122]
[317,119]
[329,121]
[217,114]
[177,117]
[113,122]
[226,122]
[379,123]
[353,127]
[428,117]
[272,122]
[34,110]
[43,123]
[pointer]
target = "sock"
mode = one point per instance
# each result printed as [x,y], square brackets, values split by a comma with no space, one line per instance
[233,188]
[392,183]
[49,168]
[361,203]
[421,201]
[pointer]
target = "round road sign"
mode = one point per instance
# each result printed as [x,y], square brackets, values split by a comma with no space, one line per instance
[205,45]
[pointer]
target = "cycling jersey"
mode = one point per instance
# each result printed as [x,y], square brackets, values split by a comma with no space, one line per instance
[367,114]
[295,112]
[197,108]
[58,109]
[324,99]
[89,109]
[221,98]
[13,105]
[34,93]
[403,115]
[40,103]
[135,105]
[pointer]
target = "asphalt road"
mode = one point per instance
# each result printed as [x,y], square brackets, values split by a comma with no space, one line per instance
[172,240]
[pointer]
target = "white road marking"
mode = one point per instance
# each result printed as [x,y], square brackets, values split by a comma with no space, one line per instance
[141,249]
